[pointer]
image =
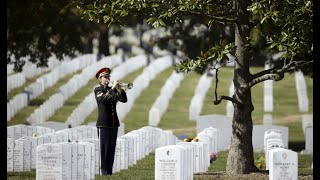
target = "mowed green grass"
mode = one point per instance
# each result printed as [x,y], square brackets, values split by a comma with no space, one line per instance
[20,89]
[177,116]
[24,113]
[139,114]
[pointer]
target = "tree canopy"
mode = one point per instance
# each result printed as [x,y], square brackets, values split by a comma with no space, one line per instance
[39,29]
[266,26]
[274,26]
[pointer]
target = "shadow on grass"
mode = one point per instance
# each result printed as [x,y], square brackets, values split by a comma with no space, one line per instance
[296,146]
[36,102]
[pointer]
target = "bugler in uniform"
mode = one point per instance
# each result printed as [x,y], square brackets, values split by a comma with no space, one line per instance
[107,122]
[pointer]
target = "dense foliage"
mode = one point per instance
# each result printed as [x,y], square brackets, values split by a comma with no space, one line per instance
[274,26]
[38,29]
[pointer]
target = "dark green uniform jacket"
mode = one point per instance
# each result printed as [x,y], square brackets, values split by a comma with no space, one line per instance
[107,99]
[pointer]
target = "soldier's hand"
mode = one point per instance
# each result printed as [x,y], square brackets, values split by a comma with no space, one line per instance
[115,83]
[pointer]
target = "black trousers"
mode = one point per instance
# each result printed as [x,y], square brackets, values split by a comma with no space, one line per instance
[108,140]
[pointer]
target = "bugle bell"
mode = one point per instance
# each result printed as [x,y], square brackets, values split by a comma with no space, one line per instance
[125,85]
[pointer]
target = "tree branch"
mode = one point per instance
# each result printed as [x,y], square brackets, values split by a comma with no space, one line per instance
[217,18]
[219,99]
[276,74]
[265,77]
[264,72]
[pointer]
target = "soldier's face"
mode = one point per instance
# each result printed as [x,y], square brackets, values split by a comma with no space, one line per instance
[105,79]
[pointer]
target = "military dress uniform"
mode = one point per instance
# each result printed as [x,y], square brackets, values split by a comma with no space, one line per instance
[108,123]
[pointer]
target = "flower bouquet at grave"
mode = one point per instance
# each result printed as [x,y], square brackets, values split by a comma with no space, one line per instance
[260,162]
[196,139]
[213,157]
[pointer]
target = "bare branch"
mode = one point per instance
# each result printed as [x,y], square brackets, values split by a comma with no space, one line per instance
[265,77]
[218,100]
[264,72]
[276,74]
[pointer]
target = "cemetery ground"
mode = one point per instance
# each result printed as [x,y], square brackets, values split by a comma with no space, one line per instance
[144,169]
[286,113]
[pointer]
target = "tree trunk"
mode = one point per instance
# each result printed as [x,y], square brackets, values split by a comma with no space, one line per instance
[104,41]
[241,157]
[88,45]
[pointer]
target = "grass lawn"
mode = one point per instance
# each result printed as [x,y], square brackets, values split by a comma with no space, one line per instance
[20,89]
[24,113]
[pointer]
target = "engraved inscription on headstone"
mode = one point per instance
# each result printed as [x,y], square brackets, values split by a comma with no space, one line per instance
[10,145]
[167,163]
[18,156]
[283,164]
[26,154]
[49,161]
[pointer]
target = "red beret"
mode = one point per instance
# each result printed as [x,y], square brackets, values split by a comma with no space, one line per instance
[103,70]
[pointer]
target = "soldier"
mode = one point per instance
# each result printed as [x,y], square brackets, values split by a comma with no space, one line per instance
[108,122]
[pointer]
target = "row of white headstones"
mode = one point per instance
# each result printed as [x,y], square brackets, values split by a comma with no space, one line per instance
[48,80]
[30,70]
[86,62]
[180,161]
[74,153]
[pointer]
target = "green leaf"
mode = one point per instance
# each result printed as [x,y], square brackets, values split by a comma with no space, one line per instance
[263,19]
[220,56]
[155,24]
[151,20]
[280,47]
[162,23]
[273,45]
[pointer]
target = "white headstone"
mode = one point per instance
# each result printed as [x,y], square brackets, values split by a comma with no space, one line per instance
[221,122]
[49,161]
[26,154]
[189,160]
[10,132]
[87,159]
[272,134]
[185,162]
[168,163]
[97,153]
[66,160]
[81,161]
[215,133]
[192,148]
[309,140]
[117,159]
[18,156]
[17,132]
[74,161]
[272,144]
[10,145]
[258,135]
[283,164]
[130,150]
[34,144]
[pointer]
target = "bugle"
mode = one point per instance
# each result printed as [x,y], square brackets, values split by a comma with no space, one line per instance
[125,85]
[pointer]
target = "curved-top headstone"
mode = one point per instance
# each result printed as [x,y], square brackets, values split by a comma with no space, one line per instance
[221,122]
